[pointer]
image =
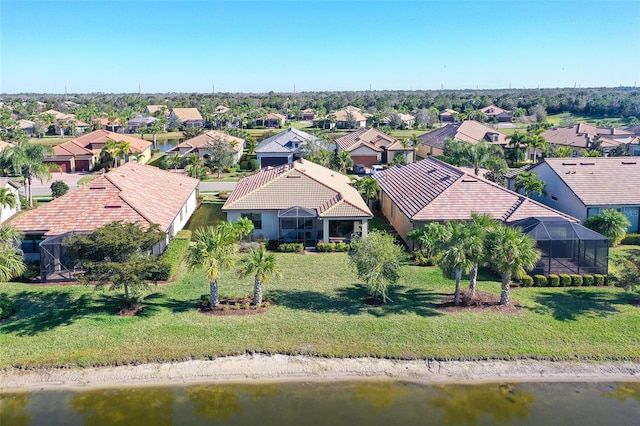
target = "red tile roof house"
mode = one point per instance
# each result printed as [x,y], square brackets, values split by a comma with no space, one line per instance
[433,191]
[370,146]
[185,117]
[131,192]
[81,154]
[273,119]
[581,136]
[201,143]
[582,187]
[502,115]
[299,202]
[470,131]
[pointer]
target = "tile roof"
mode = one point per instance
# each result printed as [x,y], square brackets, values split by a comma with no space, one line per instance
[276,143]
[221,109]
[102,136]
[343,114]
[599,181]
[431,190]
[155,108]
[371,137]
[131,192]
[275,116]
[70,148]
[469,131]
[493,110]
[204,140]
[301,183]
[581,134]
[186,114]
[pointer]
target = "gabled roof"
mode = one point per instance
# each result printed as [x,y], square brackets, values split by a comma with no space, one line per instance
[186,114]
[303,184]
[431,190]
[493,111]
[205,140]
[70,148]
[278,142]
[152,109]
[343,114]
[221,109]
[131,192]
[102,136]
[581,134]
[599,181]
[6,181]
[372,138]
[469,131]
[4,145]
[448,112]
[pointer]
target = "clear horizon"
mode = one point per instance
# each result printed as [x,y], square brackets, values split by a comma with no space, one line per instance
[163,47]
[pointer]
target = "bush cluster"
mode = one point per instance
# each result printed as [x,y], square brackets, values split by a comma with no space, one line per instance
[291,247]
[6,308]
[564,280]
[167,263]
[527,281]
[331,247]
[631,240]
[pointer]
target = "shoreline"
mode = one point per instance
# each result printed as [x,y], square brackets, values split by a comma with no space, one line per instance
[280,368]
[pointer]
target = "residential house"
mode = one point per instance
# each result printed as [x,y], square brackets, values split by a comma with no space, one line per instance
[67,123]
[581,136]
[350,118]
[433,191]
[308,114]
[139,122]
[28,126]
[185,117]
[470,131]
[272,120]
[285,147]
[132,193]
[586,186]
[497,113]
[201,144]
[105,123]
[221,109]
[299,202]
[7,211]
[405,121]
[82,153]
[448,116]
[369,146]
[152,109]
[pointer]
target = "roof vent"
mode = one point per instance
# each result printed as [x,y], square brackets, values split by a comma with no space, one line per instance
[444,178]
[432,170]
[113,206]
[629,162]
[569,164]
[469,180]
[587,164]
[293,176]
[97,187]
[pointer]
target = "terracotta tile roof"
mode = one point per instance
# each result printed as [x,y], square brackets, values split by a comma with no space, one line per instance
[599,181]
[469,131]
[4,145]
[493,110]
[343,114]
[368,136]
[430,190]
[70,148]
[152,109]
[581,134]
[186,114]
[221,109]
[204,140]
[102,136]
[275,116]
[131,192]
[301,183]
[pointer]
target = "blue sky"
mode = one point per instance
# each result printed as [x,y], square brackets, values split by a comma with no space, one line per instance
[261,46]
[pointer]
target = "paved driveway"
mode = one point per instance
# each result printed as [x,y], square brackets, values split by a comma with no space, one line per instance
[44,188]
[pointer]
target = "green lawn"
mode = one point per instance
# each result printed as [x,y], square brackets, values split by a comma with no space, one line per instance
[208,214]
[318,310]
[615,121]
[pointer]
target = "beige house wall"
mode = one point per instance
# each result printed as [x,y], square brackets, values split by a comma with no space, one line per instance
[425,151]
[400,222]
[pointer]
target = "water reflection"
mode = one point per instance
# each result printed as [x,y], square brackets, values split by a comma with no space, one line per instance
[466,405]
[381,395]
[137,406]
[13,409]
[624,391]
[220,402]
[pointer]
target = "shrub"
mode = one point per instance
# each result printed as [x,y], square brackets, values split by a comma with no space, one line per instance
[6,308]
[565,280]
[291,248]
[254,164]
[59,188]
[244,165]
[631,239]
[343,247]
[540,281]
[598,279]
[587,280]
[576,280]
[326,247]
[527,281]
[167,263]
[607,281]
[31,271]
[553,280]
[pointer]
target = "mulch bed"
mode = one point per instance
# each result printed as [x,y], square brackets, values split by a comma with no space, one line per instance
[482,301]
[234,306]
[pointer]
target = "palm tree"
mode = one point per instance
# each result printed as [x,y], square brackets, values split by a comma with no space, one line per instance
[214,249]
[454,254]
[174,161]
[481,154]
[511,252]
[7,199]
[28,160]
[529,183]
[477,230]
[11,262]
[368,188]
[610,223]
[340,161]
[243,227]
[536,142]
[122,149]
[516,142]
[108,153]
[260,264]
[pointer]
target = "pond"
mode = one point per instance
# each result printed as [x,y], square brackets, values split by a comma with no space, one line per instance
[333,403]
[166,144]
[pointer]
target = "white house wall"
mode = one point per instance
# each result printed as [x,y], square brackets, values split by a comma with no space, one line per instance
[558,195]
[7,212]
[270,223]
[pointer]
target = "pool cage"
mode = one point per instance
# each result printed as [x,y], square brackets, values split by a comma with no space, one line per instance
[55,265]
[566,247]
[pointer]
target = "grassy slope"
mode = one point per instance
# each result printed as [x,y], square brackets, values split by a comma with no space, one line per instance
[319,311]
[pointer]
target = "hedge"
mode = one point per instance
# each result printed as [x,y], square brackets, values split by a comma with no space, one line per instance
[291,248]
[598,279]
[540,281]
[576,280]
[167,263]
[326,247]
[587,280]
[631,239]
[527,281]
[553,280]
[565,280]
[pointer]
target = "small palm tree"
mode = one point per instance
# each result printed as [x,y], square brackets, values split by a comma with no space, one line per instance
[477,230]
[610,223]
[243,227]
[453,249]
[11,262]
[260,264]
[214,249]
[174,161]
[529,183]
[536,142]
[7,199]
[516,142]
[368,188]
[511,252]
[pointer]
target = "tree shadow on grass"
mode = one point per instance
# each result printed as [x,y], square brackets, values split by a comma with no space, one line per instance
[352,300]
[568,305]
[39,311]
[154,302]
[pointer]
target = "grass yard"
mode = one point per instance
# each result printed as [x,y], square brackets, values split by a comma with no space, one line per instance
[208,214]
[615,121]
[318,310]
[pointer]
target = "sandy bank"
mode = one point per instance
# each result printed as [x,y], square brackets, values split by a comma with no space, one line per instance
[254,368]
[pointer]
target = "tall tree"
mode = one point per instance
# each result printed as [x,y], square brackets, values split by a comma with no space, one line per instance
[512,252]
[368,187]
[340,161]
[453,250]
[262,265]
[536,142]
[214,249]
[11,262]
[7,199]
[220,155]
[28,160]
[529,183]
[610,223]
[477,230]
[481,154]
[376,258]
[516,142]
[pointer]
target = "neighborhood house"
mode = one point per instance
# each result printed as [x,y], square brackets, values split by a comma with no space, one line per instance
[370,146]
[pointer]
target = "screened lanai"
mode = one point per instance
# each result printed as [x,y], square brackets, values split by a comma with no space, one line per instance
[566,247]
